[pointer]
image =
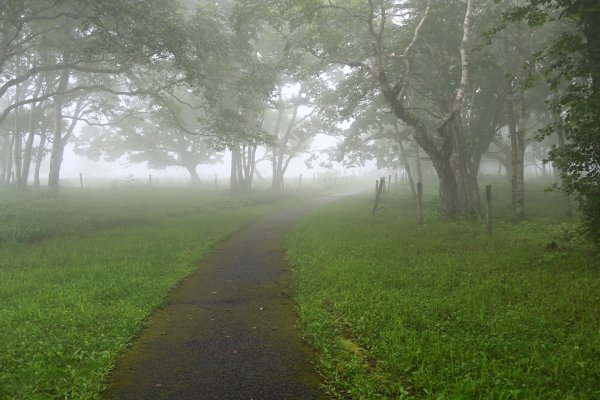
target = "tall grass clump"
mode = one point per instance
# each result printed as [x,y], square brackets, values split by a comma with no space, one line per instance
[80,272]
[444,311]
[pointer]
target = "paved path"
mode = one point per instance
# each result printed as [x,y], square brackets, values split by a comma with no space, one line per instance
[228,331]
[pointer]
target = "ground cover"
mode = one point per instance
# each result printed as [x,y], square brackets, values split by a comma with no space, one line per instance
[79,273]
[442,310]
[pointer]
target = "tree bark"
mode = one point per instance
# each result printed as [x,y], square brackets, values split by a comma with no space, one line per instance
[18,141]
[194,177]
[9,160]
[39,158]
[56,156]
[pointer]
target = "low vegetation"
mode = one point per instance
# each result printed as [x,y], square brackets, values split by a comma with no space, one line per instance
[444,311]
[79,273]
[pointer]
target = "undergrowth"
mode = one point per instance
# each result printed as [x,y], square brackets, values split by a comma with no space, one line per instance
[80,272]
[401,311]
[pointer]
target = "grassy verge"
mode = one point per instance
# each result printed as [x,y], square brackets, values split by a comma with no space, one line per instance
[79,273]
[444,311]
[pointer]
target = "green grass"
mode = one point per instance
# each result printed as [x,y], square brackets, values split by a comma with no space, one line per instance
[79,273]
[443,311]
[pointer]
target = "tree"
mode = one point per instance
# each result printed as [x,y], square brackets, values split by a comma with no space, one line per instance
[411,54]
[291,133]
[572,62]
[88,39]
[141,140]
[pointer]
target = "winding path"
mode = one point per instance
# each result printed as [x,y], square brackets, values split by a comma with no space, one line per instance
[229,330]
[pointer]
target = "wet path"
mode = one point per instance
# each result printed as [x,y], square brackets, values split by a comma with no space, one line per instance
[228,331]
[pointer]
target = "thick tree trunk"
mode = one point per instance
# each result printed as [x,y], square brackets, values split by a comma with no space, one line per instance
[194,177]
[58,147]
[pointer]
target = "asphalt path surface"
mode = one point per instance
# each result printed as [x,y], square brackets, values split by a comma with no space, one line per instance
[229,330]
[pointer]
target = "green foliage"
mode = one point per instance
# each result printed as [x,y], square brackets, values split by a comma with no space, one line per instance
[80,272]
[442,311]
[572,64]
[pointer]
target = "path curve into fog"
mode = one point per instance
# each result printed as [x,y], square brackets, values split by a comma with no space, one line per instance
[229,330]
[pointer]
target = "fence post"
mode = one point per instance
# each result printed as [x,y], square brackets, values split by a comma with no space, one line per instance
[379,188]
[488,208]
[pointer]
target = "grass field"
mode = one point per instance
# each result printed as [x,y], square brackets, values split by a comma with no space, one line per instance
[79,273]
[442,310]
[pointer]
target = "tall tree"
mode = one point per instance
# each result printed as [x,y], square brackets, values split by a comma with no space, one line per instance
[394,50]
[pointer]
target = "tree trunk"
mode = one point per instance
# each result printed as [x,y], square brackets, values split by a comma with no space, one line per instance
[18,145]
[56,155]
[519,153]
[39,158]
[194,177]
[9,160]
[4,158]
[233,176]
[404,158]
[418,163]
[560,137]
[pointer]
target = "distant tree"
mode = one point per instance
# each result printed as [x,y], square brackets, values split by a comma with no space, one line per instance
[140,140]
[416,55]
[292,130]
[91,39]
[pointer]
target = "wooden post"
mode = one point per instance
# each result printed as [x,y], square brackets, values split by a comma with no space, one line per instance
[420,203]
[150,180]
[81,180]
[379,188]
[488,208]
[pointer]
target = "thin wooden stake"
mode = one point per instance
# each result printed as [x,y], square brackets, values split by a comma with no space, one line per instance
[488,208]
[379,187]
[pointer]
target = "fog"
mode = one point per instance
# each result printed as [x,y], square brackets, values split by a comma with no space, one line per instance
[194,90]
